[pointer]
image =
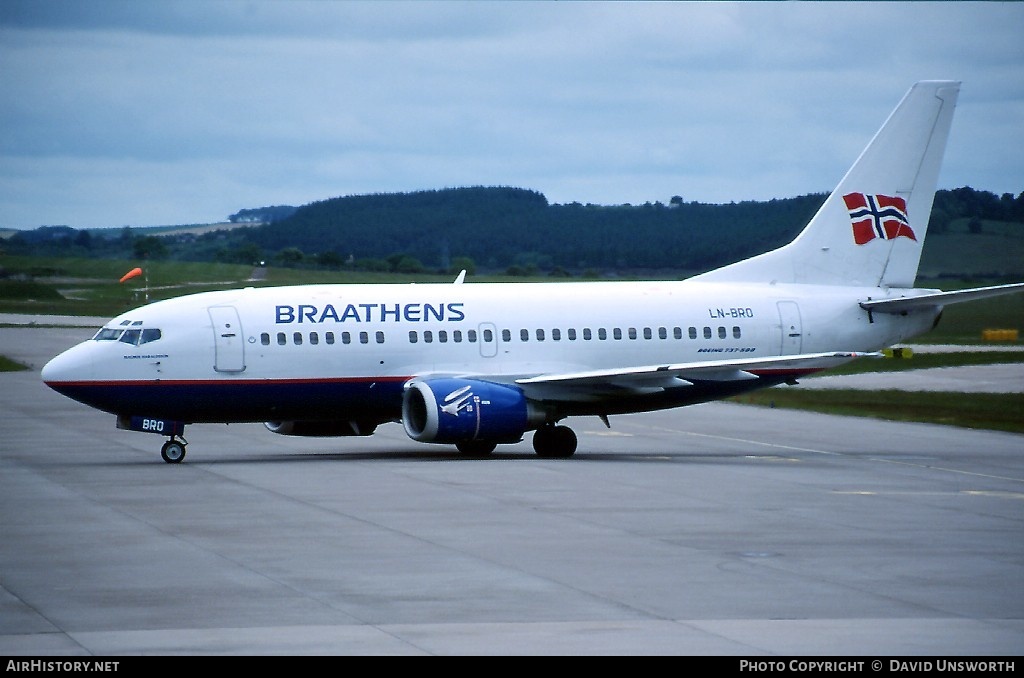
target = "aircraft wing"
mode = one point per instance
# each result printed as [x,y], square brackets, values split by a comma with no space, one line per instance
[902,304]
[681,374]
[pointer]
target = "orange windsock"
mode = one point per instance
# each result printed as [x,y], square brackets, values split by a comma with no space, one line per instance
[131,274]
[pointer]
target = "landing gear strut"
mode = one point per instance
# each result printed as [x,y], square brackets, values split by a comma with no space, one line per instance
[173,450]
[554,442]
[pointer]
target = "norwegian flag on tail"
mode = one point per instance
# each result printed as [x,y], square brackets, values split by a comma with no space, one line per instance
[877,216]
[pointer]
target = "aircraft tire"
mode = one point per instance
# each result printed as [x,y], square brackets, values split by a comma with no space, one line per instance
[173,452]
[554,442]
[475,448]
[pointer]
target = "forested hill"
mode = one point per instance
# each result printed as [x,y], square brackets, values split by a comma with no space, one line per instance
[513,230]
[501,227]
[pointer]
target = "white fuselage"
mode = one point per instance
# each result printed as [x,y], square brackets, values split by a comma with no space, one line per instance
[365,341]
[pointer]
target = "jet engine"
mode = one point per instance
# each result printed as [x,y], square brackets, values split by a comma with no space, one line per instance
[452,410]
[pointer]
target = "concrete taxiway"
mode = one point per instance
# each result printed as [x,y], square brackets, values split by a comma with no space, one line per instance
[718,529]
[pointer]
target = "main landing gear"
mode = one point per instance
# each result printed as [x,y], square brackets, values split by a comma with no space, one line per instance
[554,442]
[549,442]
[173,450]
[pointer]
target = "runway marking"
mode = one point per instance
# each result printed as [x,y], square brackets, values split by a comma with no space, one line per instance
[974,493]
[744,440]
[995,493]
[834,454]
[950,470]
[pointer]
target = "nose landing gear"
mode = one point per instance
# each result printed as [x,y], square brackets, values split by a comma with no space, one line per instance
[173,450]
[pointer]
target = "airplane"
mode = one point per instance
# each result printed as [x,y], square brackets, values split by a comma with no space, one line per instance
[476,365]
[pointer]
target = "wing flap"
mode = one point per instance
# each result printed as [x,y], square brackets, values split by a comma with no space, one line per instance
[679,374]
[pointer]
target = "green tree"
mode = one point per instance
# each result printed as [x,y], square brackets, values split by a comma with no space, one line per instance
[329,259]
[407,264]
[149,247]
[463,264]
[290,256]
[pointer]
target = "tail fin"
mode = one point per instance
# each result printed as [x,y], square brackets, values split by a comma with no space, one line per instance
[871,229]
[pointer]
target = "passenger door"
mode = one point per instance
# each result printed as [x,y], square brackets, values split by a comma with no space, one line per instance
[229,344]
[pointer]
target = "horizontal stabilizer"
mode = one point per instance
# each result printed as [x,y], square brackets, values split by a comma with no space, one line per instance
[902,304]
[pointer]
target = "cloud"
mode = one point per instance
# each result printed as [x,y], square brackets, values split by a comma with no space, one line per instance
[184,112]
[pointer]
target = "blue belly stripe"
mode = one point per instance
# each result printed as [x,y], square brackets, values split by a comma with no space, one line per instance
[243,400]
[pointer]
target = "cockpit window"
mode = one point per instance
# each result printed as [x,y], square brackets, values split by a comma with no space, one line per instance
[131,337]
[135,336]
[149,335]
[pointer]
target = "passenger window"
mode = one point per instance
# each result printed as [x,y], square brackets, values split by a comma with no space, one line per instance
[471,335]
[364,338]
[693,333]
[524,335]
[442,336]
[721,333]
[380,337]
[506,335]
[428,337]
[346,338]
[297,338]
[556,335]
[540,334]
[281,339]
[617,333]
[632,333]
[329,337]
[587,335]
[265,339]
[736,332]
[457,336]
[602,334]
[413,337]
[488,336]
[571,333]
[662,333]
[314,338]
[707,332]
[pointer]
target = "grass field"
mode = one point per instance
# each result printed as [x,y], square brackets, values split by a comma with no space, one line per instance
[996,411]
[8,365]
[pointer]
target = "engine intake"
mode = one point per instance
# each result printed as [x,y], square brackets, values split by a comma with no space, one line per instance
[460,410]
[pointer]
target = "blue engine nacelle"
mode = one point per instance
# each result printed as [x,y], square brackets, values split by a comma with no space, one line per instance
[462,410]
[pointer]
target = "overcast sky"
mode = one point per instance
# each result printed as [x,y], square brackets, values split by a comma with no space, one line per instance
[149,112]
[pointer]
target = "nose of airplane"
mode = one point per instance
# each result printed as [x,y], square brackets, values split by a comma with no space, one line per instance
[72,365]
